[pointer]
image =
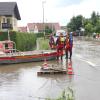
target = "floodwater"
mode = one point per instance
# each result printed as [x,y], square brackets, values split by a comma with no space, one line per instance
[86,63]
[21,82]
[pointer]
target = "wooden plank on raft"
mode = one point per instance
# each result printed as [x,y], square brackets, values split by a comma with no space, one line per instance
[51,72]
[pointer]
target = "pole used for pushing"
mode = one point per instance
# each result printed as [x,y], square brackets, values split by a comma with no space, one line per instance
[8,35]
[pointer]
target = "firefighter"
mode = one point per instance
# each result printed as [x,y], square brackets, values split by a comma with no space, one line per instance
[68,45]
[51,41]
[60,46]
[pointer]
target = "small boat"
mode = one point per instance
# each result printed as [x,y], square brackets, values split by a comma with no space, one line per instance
[10,55]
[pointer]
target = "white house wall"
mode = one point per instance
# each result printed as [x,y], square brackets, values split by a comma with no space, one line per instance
[13,21]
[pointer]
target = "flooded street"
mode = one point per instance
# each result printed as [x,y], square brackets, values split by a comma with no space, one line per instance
[86,63]
[21,82]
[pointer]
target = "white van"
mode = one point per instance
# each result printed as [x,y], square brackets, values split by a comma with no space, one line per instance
[60,31]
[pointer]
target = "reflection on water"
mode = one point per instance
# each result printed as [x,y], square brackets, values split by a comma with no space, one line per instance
[20,82]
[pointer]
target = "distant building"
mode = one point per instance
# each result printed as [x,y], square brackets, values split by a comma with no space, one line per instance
[39,27]
[22,29]
[64,28]
[9,15]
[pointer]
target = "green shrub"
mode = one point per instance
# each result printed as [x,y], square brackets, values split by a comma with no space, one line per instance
[43,44]
[25,41]
[38,35]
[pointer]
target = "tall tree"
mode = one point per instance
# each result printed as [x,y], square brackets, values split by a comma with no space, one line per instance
[91,24]
[94,18]
[75,23]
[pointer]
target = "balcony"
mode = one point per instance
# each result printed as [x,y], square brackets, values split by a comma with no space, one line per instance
[6,26]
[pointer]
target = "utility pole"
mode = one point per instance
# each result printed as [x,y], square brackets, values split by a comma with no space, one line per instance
[43,18]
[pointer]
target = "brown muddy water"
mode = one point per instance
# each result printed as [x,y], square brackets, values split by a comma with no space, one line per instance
[21,82]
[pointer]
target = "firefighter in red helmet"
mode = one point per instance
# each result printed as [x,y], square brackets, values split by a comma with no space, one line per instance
[60,46]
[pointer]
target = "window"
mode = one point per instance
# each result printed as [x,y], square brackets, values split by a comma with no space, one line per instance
[8,20]
[4,20]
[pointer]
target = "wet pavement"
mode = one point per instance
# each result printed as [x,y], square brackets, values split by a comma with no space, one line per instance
[21,82]
[87,70]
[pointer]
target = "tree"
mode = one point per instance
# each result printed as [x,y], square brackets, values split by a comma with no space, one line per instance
[97,28]
[48,30]
[94,18]
[90,25]
[88,28]
[75,23]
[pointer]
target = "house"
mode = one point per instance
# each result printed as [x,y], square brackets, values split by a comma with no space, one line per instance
[22,29]
[40,27]
[33,27]
[9,15]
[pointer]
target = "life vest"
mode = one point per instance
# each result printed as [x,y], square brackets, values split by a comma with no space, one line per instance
[67,44]
[60,42]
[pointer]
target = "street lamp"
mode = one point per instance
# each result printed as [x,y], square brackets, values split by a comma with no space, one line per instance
[43,2]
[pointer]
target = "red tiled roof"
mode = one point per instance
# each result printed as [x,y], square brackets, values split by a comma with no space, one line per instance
[22,29]
[40,26]
[57,26]
[30,26]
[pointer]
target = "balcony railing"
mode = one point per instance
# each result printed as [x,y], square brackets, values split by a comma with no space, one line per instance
[6,26]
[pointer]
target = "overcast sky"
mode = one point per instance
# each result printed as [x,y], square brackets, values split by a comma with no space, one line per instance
[54,10]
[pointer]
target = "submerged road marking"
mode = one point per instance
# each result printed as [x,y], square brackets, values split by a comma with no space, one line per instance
[86,60]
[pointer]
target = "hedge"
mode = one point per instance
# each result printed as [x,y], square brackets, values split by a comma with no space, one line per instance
[24,41]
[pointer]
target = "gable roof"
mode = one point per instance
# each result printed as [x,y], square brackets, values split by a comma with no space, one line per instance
[9,9]
[31,26]
[22,29]
[40,26]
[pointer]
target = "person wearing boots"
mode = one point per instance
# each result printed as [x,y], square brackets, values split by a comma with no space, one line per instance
[68,45]
[51,41]
[60,46]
